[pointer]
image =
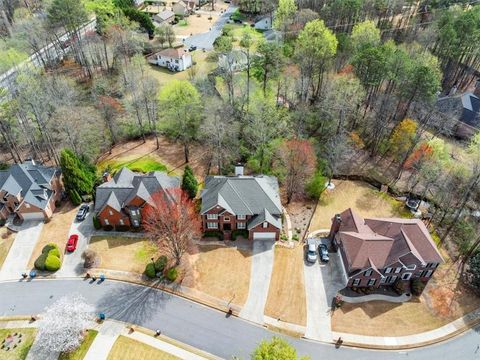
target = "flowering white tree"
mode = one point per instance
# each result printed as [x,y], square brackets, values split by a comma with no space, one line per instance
[62,326]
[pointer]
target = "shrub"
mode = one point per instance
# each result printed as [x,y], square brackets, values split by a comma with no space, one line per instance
[122,228]
[237,233]
[217,234]
[40,262]
[58,203]
[150,270]
[161,263]
[3,222]
[417,287]
[54,252]
[75,197]
[189,182]
[295,237]
[316,185]
[108,228]
[50,246]
[96,223]
[52,263]
[90,258]
[172,274]
[399,287]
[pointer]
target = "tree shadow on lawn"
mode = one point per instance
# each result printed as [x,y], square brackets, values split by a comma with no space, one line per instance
[134,303]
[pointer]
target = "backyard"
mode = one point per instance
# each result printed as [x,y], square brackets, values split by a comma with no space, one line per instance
[195,24]
[19,341]
[286,296]
[129,349]
[123,253]
[6,241]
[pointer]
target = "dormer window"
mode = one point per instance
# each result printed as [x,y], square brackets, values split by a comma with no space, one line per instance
[265,224]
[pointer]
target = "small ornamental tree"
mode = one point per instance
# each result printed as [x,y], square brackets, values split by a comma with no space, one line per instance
[473,272]
[274,349]
[62,326]
[172,223]
[402,137]
[189,182]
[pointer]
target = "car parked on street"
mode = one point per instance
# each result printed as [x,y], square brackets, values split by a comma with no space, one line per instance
[72,243]
[323,251]
[311,253]
[82,212]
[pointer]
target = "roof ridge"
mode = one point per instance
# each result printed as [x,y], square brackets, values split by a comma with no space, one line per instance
[236,192]
[268,196]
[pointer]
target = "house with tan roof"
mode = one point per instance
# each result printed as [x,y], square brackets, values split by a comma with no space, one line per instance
[174,59]
[376,252]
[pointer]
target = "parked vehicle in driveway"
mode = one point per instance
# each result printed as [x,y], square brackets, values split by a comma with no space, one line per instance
[311,253]
[72,243]
[323,251]
[82,212]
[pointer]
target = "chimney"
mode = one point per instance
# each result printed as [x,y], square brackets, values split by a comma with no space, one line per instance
[476,91]
[336,222]
[106,176]
[239,169]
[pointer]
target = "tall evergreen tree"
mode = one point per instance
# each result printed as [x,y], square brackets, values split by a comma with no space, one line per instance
[78,177]
[189,182]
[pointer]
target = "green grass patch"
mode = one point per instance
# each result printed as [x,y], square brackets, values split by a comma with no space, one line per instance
[397,206]
[435,237]
[146,252]
[143,164]
[183,22]
[80,353]
[22,349]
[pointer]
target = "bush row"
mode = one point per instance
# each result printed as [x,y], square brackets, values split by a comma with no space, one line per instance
[49,259]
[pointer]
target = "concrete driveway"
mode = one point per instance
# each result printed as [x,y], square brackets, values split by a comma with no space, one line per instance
[262,265]
[72,262]
[322,282]
[206,40]
[21,250]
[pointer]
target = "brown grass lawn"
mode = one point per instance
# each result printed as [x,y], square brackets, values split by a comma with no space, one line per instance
[221,272]
[6,241]
[169,153]
[361,197]
[130,349]
[55,231]
[195,25]
[286,296]
[123,253]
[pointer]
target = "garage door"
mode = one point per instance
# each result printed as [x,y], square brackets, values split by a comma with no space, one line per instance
[264,235]
[33,216]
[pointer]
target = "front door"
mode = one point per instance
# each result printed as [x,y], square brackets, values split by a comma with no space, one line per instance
[227,227]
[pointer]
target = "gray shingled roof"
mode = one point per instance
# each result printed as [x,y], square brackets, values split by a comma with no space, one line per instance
[265,216]
[242,195]
[31,180]
[465,107]
[126,185]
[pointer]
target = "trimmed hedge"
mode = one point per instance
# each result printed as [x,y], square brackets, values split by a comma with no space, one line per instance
[237,233]
[161,263]
[122,228]
[54,252]
[214,233]
[49,247]
[96,223]
[150,271]
[52,263]
[40,262]
[417,286]
[172,274]
[108,228]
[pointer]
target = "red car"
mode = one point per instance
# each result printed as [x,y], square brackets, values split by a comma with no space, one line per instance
[72,242]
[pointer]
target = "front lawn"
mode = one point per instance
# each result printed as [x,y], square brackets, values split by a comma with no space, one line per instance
[80,353]
[20,352]
[286,296]
[56,230]
[6,241]
[128,349]
[143,164]
[123,253]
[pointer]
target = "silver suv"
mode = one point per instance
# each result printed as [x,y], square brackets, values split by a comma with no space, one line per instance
[312,253]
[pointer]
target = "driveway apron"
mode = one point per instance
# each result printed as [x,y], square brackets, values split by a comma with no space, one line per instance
[262,265]
[21,250]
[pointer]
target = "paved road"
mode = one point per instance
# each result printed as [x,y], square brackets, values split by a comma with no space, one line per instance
[206,40]
[197,325]
[21,250]
[260,274]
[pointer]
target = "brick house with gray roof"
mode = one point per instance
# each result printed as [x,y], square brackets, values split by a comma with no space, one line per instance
[250,203]
[29,190]
[376,252]
[122,200]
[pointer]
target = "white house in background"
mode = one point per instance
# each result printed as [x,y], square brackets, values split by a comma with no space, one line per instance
[183,8]
[264,23]
[164,17]
[236,60]
[172,59]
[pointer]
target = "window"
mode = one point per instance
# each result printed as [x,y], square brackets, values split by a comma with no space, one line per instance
[391,279]
[432,265]
[212,225]
[411,267]
[176,61]
[27,206]
[212,216]
[371,282]
[226,218]
[136,223]
[106,222]
[406,276]
[265,224]
[426,273]
[110,212]
[356,282]
[241,225]
[241,217]
[397,270]
[121,222]
[388,270]
[368,273]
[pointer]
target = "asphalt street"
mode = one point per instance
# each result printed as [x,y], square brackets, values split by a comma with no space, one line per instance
[199,326]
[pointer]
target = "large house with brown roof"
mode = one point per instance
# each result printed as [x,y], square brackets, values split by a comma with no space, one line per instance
[376,252]
[173,59]
[120,202]
[30,191]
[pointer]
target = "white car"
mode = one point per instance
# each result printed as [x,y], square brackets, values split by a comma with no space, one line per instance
[312,253]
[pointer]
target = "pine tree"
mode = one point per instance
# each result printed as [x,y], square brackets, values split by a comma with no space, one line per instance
[78,177]
[189,182]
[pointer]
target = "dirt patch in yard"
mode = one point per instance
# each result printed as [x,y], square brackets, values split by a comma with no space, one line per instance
[123,253]
[195,24]
[129,349]
[56,230]
[361,197]
[222,272]
[286,296]
[300,213]
[6,241]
